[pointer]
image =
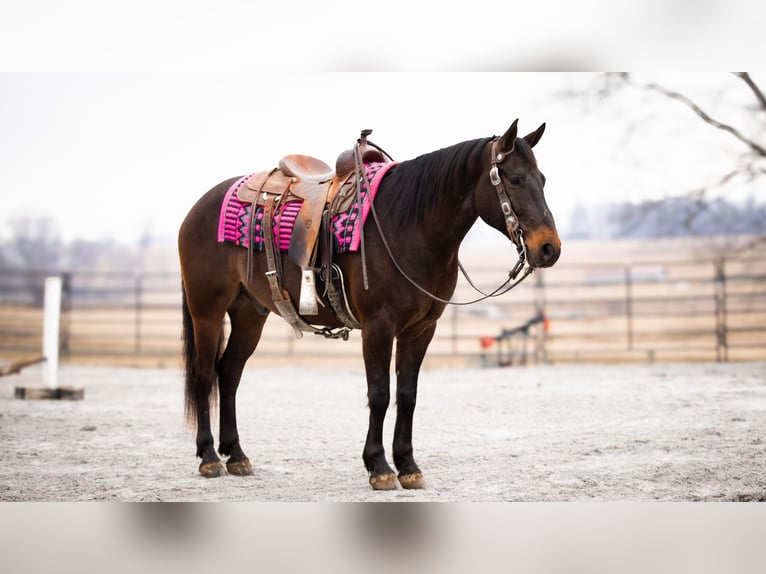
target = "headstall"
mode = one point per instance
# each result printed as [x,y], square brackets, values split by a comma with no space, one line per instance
[511,219]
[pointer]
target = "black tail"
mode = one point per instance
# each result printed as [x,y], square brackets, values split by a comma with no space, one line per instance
[191,396]
[190,362]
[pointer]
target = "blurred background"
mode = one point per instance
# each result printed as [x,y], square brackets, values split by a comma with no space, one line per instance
[656,182]
[114,119]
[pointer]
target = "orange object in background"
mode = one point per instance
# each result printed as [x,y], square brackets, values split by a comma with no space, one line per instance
[486,342]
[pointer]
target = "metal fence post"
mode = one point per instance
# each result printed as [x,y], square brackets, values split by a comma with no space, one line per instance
[539,293]
[629,305]
[719,293]
[138,307]
[66,314]
[454,326]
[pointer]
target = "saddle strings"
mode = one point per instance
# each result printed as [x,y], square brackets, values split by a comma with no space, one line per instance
[362,182]
[361,179]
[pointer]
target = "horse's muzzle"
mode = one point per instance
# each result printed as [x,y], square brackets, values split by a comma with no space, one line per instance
[543,248]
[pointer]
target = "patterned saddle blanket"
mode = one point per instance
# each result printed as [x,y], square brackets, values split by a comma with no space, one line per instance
[346,229]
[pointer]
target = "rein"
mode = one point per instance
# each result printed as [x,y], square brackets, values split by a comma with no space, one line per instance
[514,232]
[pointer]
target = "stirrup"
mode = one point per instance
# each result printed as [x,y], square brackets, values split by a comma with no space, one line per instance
[308,299]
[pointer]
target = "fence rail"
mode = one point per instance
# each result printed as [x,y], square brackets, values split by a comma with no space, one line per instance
[712,309]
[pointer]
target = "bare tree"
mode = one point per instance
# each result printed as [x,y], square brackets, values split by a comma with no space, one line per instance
[35,248]
[745,123]
[36,243]
[752,162]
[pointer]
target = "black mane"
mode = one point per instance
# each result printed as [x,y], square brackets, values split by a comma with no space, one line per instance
[411,187]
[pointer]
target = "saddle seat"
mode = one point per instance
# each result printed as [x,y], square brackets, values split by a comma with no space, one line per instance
[306,177]
[306,168]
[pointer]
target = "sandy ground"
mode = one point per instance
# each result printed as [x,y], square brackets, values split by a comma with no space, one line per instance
[564,433]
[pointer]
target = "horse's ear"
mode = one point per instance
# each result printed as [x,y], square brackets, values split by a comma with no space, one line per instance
[535,136]
[506,141]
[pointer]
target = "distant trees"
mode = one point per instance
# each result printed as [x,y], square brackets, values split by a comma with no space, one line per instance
[680,216]
[35,249]
[669,217]
[35,243]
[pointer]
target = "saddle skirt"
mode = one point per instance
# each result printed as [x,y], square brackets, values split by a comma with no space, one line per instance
[236,214]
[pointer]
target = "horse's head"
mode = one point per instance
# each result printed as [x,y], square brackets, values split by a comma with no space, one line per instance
[510,197]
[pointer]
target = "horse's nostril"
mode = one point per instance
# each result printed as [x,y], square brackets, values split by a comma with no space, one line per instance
[546,251]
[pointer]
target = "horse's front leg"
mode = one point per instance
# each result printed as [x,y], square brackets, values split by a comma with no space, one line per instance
[410,352]
[377,345]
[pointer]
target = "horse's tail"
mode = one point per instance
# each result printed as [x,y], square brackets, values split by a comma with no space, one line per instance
[191,394]
[190,362]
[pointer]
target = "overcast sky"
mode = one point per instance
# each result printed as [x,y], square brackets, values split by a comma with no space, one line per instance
[123,154]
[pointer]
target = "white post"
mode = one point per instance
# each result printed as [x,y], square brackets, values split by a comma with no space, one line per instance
[51,323]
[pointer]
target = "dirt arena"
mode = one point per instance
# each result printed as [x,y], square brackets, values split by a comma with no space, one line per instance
[693,432]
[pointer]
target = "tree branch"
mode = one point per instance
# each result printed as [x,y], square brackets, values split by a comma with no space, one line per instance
[759,95]
[760,150]
[753,145]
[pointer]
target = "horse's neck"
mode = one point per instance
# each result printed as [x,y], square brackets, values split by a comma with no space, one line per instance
[451,175]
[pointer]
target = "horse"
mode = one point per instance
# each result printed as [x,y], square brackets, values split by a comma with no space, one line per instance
[423,209]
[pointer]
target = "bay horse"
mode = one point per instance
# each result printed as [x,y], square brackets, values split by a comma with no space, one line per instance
[424,207]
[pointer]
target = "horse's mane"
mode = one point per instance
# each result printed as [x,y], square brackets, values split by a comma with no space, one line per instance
[414,185]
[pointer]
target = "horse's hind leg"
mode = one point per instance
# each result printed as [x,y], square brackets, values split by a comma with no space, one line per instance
[203,316]
[207,333]
[246,327]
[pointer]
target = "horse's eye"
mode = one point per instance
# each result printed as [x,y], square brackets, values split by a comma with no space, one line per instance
[515,180]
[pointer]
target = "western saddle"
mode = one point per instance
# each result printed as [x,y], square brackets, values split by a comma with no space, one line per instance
[325,193]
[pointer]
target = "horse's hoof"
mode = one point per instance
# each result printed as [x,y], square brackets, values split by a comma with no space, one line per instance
[212,469]
[240,467]
[412,481]
[383,482]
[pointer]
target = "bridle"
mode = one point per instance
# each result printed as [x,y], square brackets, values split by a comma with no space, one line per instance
[511,219]
[511,225]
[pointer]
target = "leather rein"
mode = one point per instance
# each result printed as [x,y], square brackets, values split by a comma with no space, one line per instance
[511,224]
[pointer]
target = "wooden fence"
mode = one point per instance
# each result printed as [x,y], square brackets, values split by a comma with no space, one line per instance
[710,309]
